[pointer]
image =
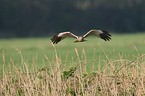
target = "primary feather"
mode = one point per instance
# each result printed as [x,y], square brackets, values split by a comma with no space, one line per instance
[99,33]
[57,38]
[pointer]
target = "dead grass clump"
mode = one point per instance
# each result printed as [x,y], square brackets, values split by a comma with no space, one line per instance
[119,77]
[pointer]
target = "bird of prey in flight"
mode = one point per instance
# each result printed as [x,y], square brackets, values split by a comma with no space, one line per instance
[99,33]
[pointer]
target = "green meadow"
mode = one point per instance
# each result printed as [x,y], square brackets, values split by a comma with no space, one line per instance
[126,46]
[32,55]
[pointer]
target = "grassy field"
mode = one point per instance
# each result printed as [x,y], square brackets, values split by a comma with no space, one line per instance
[32,66]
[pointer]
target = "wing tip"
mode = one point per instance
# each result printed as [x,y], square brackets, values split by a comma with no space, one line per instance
[105,35]
[55,39]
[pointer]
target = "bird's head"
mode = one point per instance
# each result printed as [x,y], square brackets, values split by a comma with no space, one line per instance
[80,39]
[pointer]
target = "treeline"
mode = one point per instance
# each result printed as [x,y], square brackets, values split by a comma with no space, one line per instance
[21,18]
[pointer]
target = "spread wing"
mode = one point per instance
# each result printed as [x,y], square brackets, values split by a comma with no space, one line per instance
[57,38]
[99,33]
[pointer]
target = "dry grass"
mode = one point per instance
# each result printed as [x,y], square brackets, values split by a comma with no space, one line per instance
[119,77]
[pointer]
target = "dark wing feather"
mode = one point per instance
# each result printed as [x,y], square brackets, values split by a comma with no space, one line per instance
[105,35]
[99,33]
[57,38]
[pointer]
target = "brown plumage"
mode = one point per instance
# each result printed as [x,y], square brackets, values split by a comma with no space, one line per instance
[99,33]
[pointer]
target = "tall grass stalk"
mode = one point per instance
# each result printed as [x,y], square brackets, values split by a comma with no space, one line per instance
[117,77]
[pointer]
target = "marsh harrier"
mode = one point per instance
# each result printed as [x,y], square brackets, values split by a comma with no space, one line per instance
[99,33]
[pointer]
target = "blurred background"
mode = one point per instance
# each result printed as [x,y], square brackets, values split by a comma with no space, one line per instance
[34,18]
